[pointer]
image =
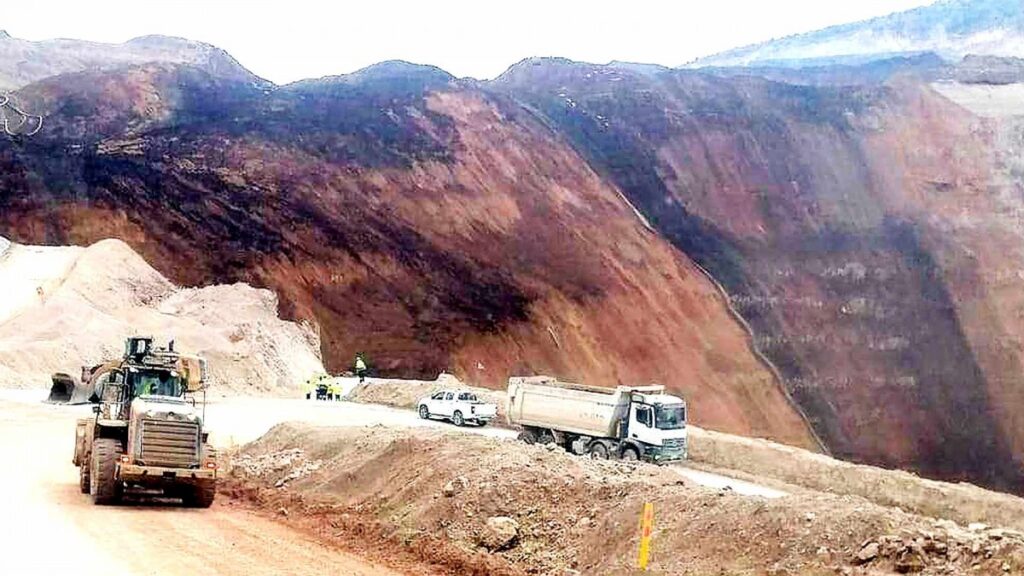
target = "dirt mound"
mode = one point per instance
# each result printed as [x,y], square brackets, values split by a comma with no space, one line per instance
[759,460]
[474,505]
[68,307]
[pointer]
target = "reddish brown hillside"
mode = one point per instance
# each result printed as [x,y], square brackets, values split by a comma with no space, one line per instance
[863,231]
[421,221]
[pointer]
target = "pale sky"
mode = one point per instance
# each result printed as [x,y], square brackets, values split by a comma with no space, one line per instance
[289,40]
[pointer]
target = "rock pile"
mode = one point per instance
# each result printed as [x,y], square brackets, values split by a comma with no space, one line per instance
[286,465]
[947,548]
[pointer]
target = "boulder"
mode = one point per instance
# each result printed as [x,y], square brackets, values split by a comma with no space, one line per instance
[500,533]
[453,487]
[910,560]
[868,553]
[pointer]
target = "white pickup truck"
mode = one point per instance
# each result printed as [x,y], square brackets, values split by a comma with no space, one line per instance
[459,406]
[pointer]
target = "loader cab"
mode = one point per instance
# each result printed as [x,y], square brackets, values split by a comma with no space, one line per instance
[152,382]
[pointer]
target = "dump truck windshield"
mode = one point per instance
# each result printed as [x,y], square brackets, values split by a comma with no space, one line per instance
[670,417]
[157,383]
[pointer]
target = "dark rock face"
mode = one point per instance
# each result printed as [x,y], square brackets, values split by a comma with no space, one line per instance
[841,255]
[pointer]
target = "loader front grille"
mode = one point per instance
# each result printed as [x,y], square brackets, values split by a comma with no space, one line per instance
[169,443]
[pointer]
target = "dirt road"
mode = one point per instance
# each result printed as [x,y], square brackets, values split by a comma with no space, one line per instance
[236,421]
[240,420]
[48,527]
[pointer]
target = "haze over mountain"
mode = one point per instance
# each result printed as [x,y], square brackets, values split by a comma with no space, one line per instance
[828,253]
[949,28]
[23,62]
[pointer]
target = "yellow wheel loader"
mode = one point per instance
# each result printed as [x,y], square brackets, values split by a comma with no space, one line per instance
[147,435]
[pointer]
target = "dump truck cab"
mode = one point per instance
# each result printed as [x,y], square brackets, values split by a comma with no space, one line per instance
[657,421]
[147,433]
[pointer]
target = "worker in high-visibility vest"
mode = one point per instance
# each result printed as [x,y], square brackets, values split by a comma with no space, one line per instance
[360,367]
[310,387]
[320,383]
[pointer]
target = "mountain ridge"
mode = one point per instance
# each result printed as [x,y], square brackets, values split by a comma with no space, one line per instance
[23,62]
[950,28]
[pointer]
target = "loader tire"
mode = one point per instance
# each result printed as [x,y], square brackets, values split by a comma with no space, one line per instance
[103,483]
[200,495]
[83,477]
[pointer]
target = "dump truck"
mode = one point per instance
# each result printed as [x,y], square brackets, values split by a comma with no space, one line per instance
[147,435]
[627,422]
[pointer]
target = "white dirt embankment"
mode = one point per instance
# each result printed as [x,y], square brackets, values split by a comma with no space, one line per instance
[65,307]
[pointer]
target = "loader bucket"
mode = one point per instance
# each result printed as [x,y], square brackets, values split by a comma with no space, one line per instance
[62,389]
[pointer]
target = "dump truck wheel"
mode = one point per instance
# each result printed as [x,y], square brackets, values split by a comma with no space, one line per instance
[528,436]
[457,419]
[83,477]
[630,454]
[424,412]
[103,484]
[201,495]
[598,451]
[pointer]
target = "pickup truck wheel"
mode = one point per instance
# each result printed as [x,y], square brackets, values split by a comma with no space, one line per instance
[424,412]
[481,423]
[598,451]
[103,482]
[457,419]
[630,454]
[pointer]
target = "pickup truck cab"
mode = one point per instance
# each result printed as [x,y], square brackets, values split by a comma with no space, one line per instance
[459,406]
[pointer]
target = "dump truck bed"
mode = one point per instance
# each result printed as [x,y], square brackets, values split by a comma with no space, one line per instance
[545,402]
